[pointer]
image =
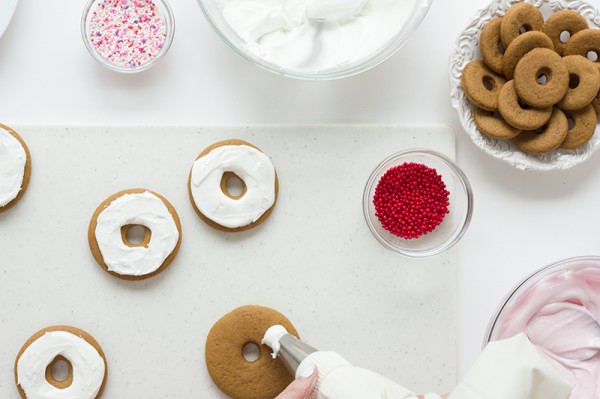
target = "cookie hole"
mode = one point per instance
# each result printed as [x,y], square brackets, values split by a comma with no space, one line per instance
[523,105]
[136,235]
[498,115]
[573,81]
[543,76]
[251,352]
[565,36]
[541,130]
[489,83]
[571,123]
[232,186]
[524,29]
[592,56]
[59,373]
[501,47]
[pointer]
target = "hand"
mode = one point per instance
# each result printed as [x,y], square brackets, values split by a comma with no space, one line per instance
[300,388]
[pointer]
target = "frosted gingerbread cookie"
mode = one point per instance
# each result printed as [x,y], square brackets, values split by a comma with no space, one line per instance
[118,216]
[15,168]
[208,186]
[87,369]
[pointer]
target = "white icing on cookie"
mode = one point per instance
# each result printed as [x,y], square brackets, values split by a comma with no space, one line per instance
[145,209]
[251,166]
[87,367]
[12,167]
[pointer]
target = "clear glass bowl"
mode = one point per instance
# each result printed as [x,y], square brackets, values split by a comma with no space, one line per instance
[454,225]
[163,7]
[495,324]
[419,8]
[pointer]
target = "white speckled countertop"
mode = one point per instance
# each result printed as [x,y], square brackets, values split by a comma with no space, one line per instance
[314,259]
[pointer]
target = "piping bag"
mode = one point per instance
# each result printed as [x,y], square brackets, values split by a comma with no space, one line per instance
[507,369]
[338,379]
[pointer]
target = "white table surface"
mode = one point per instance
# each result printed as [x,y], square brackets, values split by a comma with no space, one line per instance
[522,220]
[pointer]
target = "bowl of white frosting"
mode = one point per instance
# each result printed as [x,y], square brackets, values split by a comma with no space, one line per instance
[315,39]
[558,309]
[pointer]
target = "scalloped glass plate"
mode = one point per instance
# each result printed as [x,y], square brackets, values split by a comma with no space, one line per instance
[467,49]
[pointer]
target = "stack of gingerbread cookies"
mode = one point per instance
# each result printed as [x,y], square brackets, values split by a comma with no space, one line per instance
[539,81]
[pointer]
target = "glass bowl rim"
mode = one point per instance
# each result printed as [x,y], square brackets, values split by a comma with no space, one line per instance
[354,68]
[524,283]
[464,183]
[170,26]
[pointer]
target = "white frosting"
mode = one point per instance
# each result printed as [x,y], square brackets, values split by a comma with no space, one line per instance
[314,35]
[273,337]
[250,165]
[12,167]
[87,367]
[144,209]
[333,9]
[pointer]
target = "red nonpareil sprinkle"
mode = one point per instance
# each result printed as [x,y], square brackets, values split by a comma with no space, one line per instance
[411,200]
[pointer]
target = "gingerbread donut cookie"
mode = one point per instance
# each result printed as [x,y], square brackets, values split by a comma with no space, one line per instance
[521,46]
[596,100]
[493,125]
[482,85]
[518,115]
[84,357]
[584,42]
[584,127]
[563,21]
[207,185]
[596,105]
[239,378]
[584,82]
[520,18]
[489,45]
[541,78]
[114,219]
[15,168]
[547,139]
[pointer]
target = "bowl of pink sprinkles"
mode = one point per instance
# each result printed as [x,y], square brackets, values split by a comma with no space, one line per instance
[127,36]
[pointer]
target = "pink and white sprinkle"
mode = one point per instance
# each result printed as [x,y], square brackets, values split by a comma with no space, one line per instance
[128,33]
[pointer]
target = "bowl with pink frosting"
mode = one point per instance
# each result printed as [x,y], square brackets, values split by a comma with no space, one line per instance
[558,308]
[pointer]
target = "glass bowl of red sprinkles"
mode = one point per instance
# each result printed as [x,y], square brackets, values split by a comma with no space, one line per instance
[128,36]
[418,203]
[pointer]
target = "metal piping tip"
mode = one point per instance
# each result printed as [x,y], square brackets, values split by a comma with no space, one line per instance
[293,352]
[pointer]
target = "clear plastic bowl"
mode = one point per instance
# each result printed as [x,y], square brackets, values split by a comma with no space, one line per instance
[454,225]
[163,7]
[213,11]
[543,273]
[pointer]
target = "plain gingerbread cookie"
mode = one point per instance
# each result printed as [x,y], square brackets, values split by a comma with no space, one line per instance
[264,378]
[547,139]
[493,125]
[490,45]
[482,85]
[563,21]
[538,63]
[584,82]
[519,116]
[520,17]
[584,127]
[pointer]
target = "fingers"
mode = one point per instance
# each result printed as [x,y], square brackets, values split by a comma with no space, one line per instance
[300,388]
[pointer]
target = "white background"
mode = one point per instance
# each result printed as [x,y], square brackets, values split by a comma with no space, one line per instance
[522,220]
